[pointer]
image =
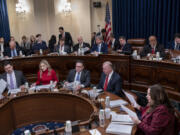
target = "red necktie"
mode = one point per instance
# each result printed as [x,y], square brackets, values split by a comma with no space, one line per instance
[153,52]
[106,83]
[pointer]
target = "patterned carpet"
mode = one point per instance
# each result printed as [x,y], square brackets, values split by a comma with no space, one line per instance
[38,126]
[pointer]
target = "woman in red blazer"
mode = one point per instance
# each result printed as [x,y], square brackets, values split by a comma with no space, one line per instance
[46,74]
[158,116]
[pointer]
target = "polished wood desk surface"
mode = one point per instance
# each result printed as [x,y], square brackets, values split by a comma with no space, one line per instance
[41,107]
[137,74]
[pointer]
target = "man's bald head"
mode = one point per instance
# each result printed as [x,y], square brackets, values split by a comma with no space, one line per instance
[80,39]
[107,67]
[152,40]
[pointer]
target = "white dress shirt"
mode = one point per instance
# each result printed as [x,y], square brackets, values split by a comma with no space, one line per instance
[14,80]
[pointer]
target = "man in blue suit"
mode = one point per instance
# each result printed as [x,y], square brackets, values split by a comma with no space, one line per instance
[123,46]
[175,45]
[100,46]
[110,80]
[39,44]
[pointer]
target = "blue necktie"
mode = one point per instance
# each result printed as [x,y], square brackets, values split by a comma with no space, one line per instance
[11,82]
[78,77]
[99,48]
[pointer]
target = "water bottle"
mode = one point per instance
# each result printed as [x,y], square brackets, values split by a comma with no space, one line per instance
[101,118]
[107,102]
[68,128]
[51,85]
[27,132]
[40,51]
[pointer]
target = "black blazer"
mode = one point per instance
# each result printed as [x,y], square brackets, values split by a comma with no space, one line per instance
[7,51]
[114,84]
[84,79]
[116,45]
[126,49]
[76,47]
[20,79]
[68,39]
[148,49]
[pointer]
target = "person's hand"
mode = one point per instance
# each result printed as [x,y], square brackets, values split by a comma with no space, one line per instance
[22,87]
[135,120]
[55,83]
[119,51]
[136,105]
[34,84]
[78,87]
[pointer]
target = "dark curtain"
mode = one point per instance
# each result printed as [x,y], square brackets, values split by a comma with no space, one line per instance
[4,21]
[142,18]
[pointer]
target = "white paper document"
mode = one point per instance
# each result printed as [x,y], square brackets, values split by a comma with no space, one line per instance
[14,91]
[116,103]
[121,118]
[41,87]
[94,132]
[129,112]
[3,85]
[119,129]
[131,98]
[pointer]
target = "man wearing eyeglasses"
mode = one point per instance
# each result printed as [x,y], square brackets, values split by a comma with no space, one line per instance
[79,74]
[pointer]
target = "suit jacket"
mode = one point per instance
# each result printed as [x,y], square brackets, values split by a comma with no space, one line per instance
[7,51]
[20,79]
[148,49]
[39,46]
[126,49]
[116,45]
[171,45]
[84,79]
[76,47]
[67,48]
[68,39]
[114,84]
[157,122]
[104,48]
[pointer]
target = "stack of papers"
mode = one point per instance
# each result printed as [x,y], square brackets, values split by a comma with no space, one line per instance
[118,129]
[131,98]
[94,132]
[129,112]
[3,86]
[14,91]
[41,87]
[121,119]
[116,103]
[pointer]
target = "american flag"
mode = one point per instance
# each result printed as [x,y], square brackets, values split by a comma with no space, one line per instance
[108,24]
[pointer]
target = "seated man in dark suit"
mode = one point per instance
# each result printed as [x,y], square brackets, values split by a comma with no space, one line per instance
[62,47]
[79,74]
[13,50]
[114,43]
[110,80]
[66,36]
[15,79]
[152,48]
[39,44]
[175,45]
[82,45]
[123,46]
[100,46]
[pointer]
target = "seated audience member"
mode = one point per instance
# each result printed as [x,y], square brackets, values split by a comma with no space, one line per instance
[158,116]
[52,43]
[13,50]
[39,44]
[175,45]
[152,48]
[93,38]
[81,44]
[46,74]
[79,74]
[110,80]
[25,45]
[13,39]
[124,47]
[100,46]
[114,43]
[2,45]
[14,78]
[32,41]
[67,37]
[103,33]
[62,47]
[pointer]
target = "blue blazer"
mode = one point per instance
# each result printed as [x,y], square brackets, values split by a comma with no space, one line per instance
[114,84]
[104,48]
[171,45]
[39,46]
[7,51]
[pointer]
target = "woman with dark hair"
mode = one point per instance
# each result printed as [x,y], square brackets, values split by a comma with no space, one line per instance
[158,116]
[52,43]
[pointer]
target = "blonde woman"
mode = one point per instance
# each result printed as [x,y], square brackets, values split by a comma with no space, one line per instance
[46,74]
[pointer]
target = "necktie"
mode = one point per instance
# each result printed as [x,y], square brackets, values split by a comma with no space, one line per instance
[153,51]
[99,48]
[106,83]
[78,77]
[177,47]
[11,82]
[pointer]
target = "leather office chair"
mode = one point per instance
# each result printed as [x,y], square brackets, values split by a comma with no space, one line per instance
[137,43]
